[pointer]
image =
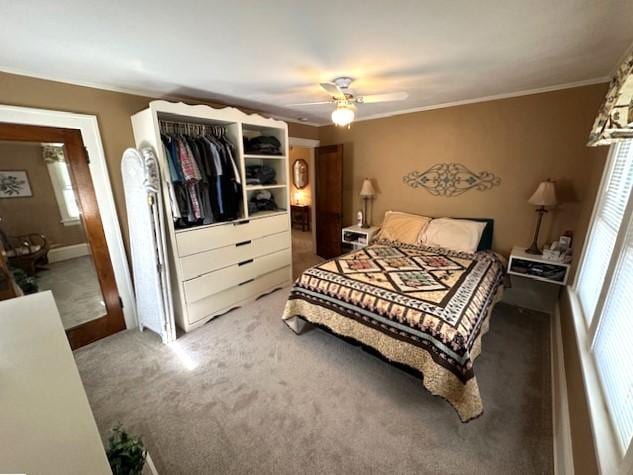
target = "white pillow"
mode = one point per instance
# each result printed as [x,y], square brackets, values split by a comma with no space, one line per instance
[457,234]
[403,227]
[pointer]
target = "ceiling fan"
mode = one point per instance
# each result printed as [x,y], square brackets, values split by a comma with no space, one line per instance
[345,99]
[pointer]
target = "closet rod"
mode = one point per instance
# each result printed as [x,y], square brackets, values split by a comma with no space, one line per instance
[191,128]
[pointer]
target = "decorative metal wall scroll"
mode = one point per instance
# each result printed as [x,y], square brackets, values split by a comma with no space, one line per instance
[450,179]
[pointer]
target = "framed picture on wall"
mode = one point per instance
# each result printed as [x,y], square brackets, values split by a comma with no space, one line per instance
[14,184]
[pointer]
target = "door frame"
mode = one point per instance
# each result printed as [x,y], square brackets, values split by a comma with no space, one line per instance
[310,144]
[89,129]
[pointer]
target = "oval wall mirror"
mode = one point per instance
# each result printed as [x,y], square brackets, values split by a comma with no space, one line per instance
[300,173]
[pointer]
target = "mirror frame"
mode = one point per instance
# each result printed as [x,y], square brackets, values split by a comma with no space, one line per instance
[297,167]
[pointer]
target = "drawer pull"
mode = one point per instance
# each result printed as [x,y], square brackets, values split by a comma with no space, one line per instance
[245,282]
[238,223]
[243,263]
[243,243]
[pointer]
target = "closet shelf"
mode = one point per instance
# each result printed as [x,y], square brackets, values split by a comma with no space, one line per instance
[263,187]
[265,157]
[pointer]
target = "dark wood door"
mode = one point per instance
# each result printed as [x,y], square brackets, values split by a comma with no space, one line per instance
[77,159]
[328,164]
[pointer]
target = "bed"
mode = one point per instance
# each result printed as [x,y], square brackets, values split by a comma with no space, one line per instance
[423,307]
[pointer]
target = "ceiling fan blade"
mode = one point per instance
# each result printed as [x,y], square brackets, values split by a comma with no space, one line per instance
[333,90]
[309,104]
[390,96]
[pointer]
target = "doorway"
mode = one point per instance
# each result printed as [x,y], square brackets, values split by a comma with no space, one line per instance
[302,211]
[329,200]
[51,229]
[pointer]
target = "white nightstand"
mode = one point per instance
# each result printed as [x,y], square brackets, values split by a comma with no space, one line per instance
[534,266]
[358,237]
[532,277]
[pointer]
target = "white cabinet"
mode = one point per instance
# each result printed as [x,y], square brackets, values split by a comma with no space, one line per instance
[47,423]
[220,266]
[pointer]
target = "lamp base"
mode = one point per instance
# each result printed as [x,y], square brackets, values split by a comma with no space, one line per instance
[365,223]
[533,249]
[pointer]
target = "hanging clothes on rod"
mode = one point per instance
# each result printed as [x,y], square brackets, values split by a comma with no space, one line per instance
[204,180]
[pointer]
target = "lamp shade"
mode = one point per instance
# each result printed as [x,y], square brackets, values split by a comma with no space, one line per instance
[545,194]
[367,189]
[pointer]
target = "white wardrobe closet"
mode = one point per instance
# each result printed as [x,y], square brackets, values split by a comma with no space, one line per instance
[222,265]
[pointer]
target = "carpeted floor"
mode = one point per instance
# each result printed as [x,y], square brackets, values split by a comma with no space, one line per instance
[76,289]
[303,255]
[244,394]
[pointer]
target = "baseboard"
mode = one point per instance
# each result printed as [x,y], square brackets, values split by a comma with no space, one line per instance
[68,252]
[561,429]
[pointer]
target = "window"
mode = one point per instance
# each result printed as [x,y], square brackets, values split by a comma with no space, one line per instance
[605,227]
[604,291]
[64,193]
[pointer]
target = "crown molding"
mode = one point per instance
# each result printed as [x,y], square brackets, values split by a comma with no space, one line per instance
[149,93]
[495,97]
[153,94]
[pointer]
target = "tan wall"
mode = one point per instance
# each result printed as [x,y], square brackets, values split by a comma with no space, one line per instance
[297,153]
[302,131]
[523,140]
[113,111]
[39,213]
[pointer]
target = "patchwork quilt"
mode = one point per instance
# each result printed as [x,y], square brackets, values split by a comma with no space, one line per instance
[423,307]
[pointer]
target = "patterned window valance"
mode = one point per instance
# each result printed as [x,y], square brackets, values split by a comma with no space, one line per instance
[53,153]
[615,119]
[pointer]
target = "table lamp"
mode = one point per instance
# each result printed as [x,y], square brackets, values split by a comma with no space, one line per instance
[545,195]
[367,192]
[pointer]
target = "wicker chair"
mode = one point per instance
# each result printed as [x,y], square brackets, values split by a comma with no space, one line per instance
[26,252]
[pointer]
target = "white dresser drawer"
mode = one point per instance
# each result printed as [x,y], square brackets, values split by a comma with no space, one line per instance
[199,264]
[200,240]
[223,301]
[216,281]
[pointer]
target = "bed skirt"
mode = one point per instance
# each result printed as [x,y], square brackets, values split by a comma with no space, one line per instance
[439,381]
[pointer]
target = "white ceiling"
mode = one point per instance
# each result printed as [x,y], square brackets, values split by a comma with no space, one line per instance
[268,54]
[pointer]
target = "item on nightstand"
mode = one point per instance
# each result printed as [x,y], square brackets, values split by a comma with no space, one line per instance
[359,218]
[367,192]
[298,195]
[545,195]
[565,242]
[557,252]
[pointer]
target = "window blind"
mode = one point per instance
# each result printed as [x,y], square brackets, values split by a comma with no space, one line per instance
[613,355]
[608,219]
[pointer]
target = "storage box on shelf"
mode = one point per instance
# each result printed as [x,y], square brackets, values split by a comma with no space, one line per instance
[217,267]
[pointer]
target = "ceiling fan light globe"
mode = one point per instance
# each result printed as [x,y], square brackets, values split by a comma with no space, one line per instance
[343,116]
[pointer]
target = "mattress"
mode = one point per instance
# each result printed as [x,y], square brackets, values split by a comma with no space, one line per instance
[423,307]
